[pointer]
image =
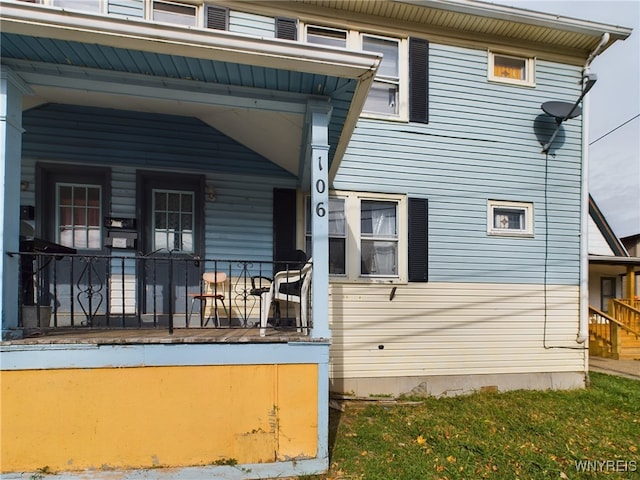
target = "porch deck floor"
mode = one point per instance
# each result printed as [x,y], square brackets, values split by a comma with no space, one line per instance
[158,336]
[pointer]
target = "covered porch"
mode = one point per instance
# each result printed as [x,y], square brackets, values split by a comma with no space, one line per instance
[182,150]
[614,307]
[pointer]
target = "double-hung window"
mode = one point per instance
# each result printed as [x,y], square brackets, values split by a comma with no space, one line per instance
[367,236]
[400,88]
[384,96]
[337,235]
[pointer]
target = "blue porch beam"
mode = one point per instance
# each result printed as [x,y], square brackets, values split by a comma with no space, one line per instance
[12,90]
[319,113]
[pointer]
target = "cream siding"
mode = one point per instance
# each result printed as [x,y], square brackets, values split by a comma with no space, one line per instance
[453,329]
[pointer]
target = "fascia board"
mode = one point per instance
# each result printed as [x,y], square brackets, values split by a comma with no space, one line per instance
[520,15]
[39,21]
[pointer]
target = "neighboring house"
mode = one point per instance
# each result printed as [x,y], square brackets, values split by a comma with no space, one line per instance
[614,291]
[632,244]
[397,143]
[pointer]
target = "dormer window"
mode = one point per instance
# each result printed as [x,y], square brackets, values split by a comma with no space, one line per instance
[511,69]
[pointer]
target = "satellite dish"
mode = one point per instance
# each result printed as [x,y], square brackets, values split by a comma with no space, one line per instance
[561,111]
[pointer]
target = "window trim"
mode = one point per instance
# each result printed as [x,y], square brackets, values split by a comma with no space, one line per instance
[352,201]
[530,69]
[526,207]
[196,5]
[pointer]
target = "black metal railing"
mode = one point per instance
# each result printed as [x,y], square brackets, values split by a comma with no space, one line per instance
[75,291]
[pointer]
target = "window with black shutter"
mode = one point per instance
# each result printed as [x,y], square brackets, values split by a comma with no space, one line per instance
[418,240]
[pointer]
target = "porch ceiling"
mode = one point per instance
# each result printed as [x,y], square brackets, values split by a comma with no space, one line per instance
[254,90]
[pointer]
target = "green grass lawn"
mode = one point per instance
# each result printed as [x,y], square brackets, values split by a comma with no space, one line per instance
[524,435]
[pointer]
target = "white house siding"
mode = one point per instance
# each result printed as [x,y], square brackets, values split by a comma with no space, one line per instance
[597,243]
[483,310]
[451,329]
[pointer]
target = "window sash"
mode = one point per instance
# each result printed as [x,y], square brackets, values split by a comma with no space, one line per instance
[378,238]
[509,218]
[337,234]
[175,13]
[78,215]
[511,69]
[173,220]
[326,36]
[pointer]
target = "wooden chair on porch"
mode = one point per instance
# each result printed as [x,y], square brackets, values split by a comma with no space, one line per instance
[212,291]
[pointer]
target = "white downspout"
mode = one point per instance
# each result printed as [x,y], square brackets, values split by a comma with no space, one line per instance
[583,323]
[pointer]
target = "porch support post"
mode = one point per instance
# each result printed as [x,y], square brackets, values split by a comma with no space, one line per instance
[11,92]
[318,118]
[631,283]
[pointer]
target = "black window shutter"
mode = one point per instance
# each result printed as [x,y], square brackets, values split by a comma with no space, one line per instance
[418,239]
[284,225]
[217,18]
[418,80]
[286,29]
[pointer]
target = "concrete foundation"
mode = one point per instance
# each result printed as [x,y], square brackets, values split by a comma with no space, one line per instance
[452,385]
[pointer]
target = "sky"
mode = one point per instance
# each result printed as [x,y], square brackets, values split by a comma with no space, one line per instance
[614,159]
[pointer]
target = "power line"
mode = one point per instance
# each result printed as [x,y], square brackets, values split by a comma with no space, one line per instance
[613,130]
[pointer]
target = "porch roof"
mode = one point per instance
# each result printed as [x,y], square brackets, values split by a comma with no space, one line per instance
[256,90]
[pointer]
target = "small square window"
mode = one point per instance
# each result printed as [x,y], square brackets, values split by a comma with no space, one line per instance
[511,69]
[510,218]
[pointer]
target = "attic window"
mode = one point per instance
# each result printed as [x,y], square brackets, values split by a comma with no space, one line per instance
[511,69]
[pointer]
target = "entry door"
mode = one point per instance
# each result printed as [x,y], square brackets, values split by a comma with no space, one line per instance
[172,234]
[607,292]
[71,207]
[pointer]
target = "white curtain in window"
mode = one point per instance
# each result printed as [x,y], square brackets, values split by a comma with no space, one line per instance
[378,222]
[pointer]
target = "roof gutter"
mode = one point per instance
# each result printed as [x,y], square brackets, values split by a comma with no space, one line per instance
[583,322]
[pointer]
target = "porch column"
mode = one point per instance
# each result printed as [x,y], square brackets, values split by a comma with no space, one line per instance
[318,113]
[11,92]
[631,282]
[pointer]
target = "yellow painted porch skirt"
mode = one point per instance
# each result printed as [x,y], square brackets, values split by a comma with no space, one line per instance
[144,417]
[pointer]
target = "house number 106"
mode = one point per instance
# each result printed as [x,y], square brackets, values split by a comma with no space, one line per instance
[320,188]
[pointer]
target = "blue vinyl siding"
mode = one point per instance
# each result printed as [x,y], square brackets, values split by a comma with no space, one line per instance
[126,8]
[238,224]
[479,145]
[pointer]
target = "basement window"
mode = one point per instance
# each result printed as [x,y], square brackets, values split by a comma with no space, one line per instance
[511,69]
